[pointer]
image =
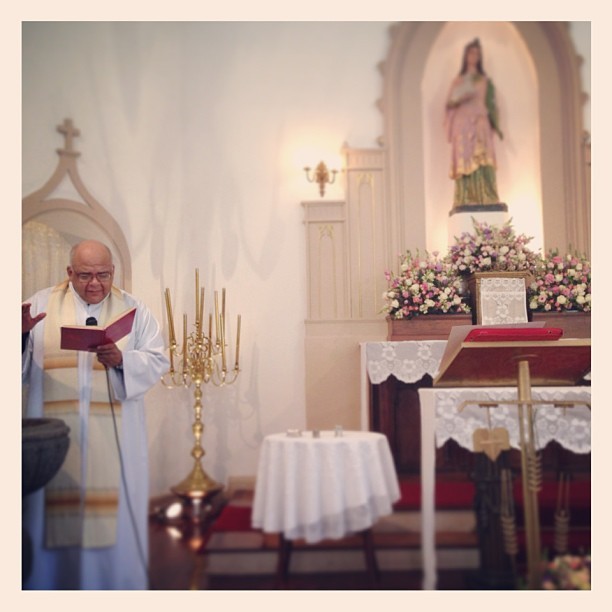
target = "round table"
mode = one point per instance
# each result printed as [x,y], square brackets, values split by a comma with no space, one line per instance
[325,487]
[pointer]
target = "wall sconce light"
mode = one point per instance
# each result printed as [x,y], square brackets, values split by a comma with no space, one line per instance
[321,176]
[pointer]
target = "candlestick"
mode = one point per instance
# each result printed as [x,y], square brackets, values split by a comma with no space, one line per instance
[202,360]
[197,298]
[237,342]
[216,317]
[223,309]
[223,363]
[170,318]
[210,335]
[201,317]
[184,342]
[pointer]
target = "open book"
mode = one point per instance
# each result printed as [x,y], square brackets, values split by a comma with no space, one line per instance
[88,337]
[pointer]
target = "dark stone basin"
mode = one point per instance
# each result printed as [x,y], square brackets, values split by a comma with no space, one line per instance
[43,449]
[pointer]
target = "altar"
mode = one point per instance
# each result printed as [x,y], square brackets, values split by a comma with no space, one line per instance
[445,417]
[442,419]
[392,374]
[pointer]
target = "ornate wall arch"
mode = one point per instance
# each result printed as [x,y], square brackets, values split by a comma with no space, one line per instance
[60,214]
[564,148]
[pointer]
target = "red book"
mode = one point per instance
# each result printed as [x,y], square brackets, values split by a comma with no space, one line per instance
[88,337]
[513,334]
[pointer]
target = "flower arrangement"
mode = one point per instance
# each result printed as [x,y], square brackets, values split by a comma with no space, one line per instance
[491,248]
[561,283]
[425,285]
[432,285]
[568,572]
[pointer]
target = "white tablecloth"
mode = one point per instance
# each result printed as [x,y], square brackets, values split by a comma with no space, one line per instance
[318,488]
[441,421]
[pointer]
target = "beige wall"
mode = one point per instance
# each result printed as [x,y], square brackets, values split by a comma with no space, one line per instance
[193,137]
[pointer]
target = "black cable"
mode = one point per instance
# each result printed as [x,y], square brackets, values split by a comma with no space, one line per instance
[143,560]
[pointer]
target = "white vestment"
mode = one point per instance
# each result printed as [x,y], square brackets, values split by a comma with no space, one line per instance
[144,362]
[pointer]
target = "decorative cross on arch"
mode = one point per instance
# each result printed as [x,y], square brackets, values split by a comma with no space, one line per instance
[70,133]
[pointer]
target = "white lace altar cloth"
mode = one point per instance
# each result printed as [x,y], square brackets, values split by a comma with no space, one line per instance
[569,426]
[502,300]
[407,360]
[326,487]
[441,421]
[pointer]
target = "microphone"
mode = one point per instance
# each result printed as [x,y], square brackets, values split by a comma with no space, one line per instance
[91,321]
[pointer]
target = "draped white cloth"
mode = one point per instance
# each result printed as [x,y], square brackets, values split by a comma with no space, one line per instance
[144,361]
[569,426]
[318,488]
[441,420]
[408,361]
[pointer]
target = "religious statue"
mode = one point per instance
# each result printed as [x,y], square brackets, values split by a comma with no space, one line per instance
[471,120]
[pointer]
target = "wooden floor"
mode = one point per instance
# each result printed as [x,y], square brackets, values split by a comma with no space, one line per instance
[180,554]
[176,564]
[224,552]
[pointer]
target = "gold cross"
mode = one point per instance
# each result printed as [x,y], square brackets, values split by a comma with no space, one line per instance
[491,442]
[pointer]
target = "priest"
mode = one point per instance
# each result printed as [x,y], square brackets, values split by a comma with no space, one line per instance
[88,527]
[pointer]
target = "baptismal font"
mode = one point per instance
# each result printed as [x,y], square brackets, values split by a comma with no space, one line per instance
[201,358]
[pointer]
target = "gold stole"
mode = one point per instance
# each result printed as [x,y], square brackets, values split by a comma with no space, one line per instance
[71,520]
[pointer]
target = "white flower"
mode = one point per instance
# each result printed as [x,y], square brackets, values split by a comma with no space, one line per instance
[504,250]
[558,277]
[580,299]
[561,299]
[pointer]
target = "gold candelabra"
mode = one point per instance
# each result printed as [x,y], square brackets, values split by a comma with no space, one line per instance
[201,359]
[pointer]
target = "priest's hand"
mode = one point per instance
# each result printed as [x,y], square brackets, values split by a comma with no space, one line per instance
[27,320]
[109,355]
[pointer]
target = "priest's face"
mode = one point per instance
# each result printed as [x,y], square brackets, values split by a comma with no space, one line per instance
[91,271]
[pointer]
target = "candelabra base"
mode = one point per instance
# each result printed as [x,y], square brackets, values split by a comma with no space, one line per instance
[198,485]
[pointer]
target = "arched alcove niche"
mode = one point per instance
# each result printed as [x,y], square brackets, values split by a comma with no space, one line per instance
[544,159]
[60,214]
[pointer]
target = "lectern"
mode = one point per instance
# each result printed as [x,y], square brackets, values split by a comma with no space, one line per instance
[522,363]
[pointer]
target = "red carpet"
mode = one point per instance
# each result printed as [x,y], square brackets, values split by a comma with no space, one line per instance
[450,495]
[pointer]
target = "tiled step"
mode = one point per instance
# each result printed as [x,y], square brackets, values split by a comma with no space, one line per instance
[235,548]
[315,560]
